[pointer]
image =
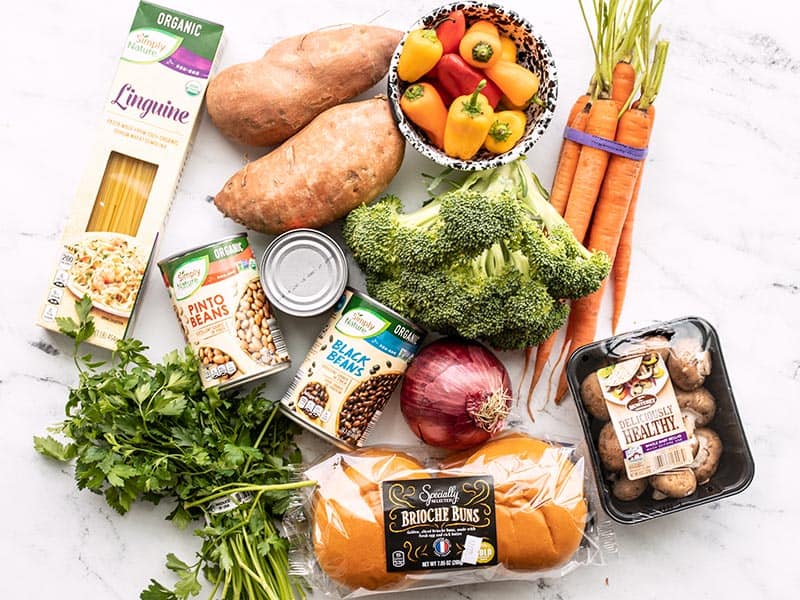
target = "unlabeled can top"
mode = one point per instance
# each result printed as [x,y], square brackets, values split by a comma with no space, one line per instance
[303,272]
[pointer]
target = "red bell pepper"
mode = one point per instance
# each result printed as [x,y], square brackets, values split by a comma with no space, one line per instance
[451,30]
[454,78]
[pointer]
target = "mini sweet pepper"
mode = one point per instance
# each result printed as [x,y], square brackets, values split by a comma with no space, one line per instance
[517,83]
[422,104]
[421,51]
[508,127]
[454,77]
[451,30]
[508,49]
[480,46]
[468,123]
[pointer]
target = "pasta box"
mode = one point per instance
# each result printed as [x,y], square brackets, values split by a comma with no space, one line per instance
[149,120]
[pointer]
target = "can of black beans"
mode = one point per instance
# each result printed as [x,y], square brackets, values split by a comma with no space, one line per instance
[352,369]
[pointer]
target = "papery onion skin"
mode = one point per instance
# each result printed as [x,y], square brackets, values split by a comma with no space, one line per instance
[446,378]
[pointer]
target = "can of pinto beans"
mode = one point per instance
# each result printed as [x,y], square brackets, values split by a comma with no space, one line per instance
[224,313]
[352,369]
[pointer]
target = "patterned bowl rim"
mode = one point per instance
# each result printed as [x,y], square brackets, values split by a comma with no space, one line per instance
[546,62]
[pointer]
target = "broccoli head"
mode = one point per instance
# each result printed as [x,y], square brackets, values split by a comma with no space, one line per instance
[490,259]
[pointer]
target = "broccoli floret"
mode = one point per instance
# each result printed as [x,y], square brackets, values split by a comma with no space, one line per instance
[371,234]
[490,259]
[460,223]
[569,270]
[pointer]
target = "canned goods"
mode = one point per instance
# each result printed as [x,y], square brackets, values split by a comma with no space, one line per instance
[352,370]
[304,272]
[224,313]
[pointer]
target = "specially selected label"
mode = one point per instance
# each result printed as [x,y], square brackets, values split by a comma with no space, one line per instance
[441,523]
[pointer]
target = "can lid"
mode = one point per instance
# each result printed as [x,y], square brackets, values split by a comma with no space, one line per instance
[304,272]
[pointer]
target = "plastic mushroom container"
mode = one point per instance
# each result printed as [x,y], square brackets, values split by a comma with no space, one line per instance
[660,420]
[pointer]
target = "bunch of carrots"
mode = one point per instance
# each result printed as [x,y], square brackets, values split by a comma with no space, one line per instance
[594,190]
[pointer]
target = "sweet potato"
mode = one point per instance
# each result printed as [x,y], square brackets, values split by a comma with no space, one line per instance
[344,157]
[264,102]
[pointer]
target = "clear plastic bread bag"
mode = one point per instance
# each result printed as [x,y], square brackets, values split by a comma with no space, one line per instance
[388,519]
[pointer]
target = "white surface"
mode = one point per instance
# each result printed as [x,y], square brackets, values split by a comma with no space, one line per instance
[717,235]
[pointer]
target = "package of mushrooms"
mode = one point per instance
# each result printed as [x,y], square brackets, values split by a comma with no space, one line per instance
[660,420]
[389,519]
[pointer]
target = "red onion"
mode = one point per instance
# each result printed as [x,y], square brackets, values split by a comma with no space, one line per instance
[456,394]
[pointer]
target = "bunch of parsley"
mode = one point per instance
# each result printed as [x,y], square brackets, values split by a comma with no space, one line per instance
[139,430]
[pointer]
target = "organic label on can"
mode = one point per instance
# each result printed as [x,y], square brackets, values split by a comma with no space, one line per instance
[352,369]
[646,416]
[442,523]
[225,315]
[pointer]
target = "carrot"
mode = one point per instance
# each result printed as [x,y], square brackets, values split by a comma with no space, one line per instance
[623,80]
[634,130]
[619,185]
[622,261]
[591,167]
[542,354]
[525,365]
[579,105]
[568,159]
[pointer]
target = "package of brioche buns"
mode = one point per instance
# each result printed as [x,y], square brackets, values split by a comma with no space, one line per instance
[388,519]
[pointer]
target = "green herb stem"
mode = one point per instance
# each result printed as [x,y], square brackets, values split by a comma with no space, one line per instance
[246,487]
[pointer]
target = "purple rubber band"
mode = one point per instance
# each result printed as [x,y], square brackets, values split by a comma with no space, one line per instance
[593,141]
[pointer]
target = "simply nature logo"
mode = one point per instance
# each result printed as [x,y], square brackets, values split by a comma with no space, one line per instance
[189,277]
[148,45]
[361,323]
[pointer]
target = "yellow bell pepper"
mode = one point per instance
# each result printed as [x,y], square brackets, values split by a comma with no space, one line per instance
[480,46]
[515,81]
[468,122]
[508,49]
[506,130]
[421,51]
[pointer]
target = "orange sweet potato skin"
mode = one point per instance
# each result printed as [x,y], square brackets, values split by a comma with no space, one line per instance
[264,102]
[345,157]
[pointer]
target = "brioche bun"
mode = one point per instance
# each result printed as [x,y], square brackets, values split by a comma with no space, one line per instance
[348,517]
[541,510]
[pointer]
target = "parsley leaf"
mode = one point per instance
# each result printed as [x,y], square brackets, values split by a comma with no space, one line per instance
[156,591]
[48,446]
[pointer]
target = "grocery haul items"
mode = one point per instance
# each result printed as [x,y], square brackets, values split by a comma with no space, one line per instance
[446,55]
[658,412]
[493,264]
[266,101]
[513,508]
[149,121]
[319,174]
[456,394]
[304,272]
[352,369]
[223,311]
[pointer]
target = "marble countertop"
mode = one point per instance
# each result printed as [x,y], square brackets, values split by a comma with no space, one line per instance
[717,236]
